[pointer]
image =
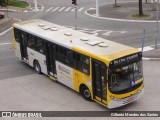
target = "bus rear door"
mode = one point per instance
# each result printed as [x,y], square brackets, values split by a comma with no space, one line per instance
[50,57]
[23,46]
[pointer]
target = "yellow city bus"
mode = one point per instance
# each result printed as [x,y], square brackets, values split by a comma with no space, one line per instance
[101,70]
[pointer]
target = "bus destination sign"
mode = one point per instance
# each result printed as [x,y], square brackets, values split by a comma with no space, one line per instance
[125,59]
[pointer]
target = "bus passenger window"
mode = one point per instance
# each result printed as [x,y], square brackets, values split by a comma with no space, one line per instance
[60,53]
[40,45]
[31,42]
[83,63]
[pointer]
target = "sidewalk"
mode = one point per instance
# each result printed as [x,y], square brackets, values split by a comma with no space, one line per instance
[125,11]
[152,54]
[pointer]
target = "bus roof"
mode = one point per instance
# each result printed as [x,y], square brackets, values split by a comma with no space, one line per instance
[75,40]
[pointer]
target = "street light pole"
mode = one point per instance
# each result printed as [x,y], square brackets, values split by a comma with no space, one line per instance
[75,16]
[35,4]
[74,2]
[157,24]
[7,10]
[97,8]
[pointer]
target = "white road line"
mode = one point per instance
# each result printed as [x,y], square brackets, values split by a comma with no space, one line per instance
[68,8]
[108,33]
[73,10]
[61,9]
[147,48]
[5,31]
[49,9]
[5,43]
[42,7]
[81,9]
[55,9]
[17,19]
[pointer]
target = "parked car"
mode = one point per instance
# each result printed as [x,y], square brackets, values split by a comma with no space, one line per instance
[1,14]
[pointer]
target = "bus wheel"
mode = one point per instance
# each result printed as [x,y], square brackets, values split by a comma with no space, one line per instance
[86,93]
[37,67]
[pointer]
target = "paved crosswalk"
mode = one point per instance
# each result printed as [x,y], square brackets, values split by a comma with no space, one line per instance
[64,9]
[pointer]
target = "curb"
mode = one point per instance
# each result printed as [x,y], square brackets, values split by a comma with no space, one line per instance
[117,19]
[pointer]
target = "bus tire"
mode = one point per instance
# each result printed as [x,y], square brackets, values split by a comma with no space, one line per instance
[37,67]
[85,93]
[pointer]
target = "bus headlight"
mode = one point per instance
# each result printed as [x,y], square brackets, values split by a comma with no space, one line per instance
[115,99]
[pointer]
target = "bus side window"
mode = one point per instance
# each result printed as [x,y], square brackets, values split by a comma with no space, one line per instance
[31,42]
[70,58]
[83,63]
[17,35]
[39,46]
[60,53]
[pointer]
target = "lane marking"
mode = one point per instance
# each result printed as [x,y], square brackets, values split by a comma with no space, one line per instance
[68,8]
[81,9]
[6,43]
[108,33]
[17,19]
[73,10]
[61,9]
[98,32]
[5,31]
[49,9]
[147,48]
[8,28]
[41,7]
[55,9]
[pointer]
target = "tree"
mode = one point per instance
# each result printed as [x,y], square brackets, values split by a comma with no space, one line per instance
[3,3]
[140,8]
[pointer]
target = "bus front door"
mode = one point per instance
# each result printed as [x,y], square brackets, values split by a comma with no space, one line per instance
[23,46]
[50,57]
[99,81]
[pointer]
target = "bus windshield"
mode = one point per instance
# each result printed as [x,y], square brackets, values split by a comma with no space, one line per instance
[122,78]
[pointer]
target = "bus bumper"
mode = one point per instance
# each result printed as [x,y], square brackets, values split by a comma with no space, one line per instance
[114,103]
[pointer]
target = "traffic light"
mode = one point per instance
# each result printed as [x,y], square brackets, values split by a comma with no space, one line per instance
[74,2]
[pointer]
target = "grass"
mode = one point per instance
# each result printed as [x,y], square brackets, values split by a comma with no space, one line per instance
[18,3]
[115,6]
[140,16]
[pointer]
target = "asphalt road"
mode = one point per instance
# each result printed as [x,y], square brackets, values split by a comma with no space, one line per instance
[55,11]
[22,89]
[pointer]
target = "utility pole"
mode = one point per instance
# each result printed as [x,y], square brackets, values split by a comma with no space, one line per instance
[157,31]
[75,9]
[35,4]
[7,9]
[143,39]
[97,8]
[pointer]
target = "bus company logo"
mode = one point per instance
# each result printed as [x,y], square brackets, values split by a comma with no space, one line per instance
[6,114]
[61,68]
[21,114]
